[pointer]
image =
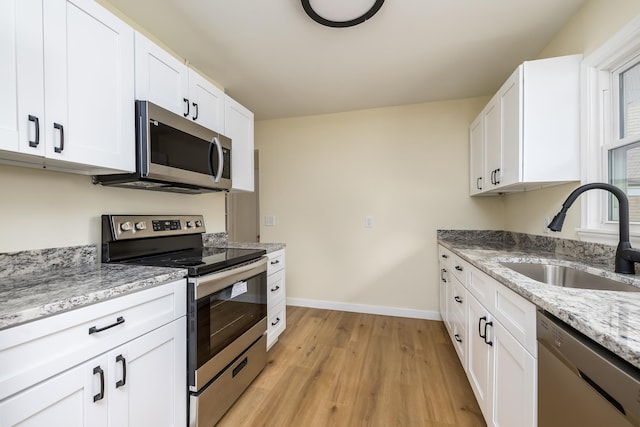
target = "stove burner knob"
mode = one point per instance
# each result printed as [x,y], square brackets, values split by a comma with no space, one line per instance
[126,226]
[198,223]
[189,224]
[141,225]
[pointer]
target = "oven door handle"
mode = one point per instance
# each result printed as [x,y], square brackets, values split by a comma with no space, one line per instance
[212,283]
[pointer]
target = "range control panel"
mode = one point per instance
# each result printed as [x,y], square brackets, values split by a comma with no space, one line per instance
[141,226]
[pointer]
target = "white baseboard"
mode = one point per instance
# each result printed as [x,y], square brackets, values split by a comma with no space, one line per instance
[367,309]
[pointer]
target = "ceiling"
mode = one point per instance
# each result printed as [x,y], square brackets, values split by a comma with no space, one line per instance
[276,61]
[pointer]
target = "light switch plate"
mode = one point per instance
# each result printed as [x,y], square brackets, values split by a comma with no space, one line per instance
[269,221]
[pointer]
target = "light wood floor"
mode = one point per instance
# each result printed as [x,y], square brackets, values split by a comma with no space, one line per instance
[333,368]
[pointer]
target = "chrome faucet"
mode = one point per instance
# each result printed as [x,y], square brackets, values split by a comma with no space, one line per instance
[626,256]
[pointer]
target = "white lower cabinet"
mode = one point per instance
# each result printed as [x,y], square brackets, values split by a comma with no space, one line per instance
[139,382]
[276,296]
[497,346]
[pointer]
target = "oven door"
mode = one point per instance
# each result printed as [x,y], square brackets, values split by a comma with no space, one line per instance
[175,149]
[227,313]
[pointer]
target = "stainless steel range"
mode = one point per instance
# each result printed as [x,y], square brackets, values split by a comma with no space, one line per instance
[226,304]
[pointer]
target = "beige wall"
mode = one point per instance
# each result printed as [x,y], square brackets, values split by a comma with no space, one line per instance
[44,209]
[593,25]
[406,166]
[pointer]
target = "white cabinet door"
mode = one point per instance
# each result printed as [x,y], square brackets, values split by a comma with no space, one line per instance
[510,96]
[21,79]
[480,356]
[493,144]
[239,127]
[514,382]
[72,398]
[147,385]
[276,296]
[476,156]
[160,77]
[89,89]
[444,294]
[207,104]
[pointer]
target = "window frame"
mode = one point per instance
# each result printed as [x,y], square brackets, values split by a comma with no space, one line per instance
[599,107]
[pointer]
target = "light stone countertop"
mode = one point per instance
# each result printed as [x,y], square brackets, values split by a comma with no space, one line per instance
[35,295]
[269,247]
[610,318]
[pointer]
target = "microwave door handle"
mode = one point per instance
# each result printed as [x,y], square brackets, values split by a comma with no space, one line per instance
[216,141]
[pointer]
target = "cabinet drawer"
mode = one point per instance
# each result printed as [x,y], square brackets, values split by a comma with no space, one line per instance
[517,315]
[481,286]
[445,256]
[275,288]
[78,335]
[458,299]
[460,269]
[276,322]
[459,338]
[276,262]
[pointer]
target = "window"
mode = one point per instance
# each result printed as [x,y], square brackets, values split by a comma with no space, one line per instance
[611,133]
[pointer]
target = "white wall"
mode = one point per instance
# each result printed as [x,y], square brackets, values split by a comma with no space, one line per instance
[593,25]
[45,209]
[406,166]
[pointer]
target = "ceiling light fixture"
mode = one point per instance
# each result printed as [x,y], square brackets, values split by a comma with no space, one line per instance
[341,14]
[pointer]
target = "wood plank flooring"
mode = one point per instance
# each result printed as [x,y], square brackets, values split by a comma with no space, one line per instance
[333,368]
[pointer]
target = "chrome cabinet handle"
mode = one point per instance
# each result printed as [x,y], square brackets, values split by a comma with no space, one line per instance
[458,268]
[457,337]
[277,261]
[276,322]
[479,183]
[274,289]
[445,256]
[442,273]
[458,299]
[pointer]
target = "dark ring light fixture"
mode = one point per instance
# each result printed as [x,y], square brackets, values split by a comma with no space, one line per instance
[341,24]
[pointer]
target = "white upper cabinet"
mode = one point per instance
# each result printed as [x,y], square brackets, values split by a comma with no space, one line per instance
[67,87]
[531,128]
[164,80]
[476,156]
[160,77]
[239,127]
[207,103]
[21,52]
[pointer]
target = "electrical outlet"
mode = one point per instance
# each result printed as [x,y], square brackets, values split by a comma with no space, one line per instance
[368,221]
[269,221]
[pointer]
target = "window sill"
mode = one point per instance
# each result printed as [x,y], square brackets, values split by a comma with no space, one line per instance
[606,237]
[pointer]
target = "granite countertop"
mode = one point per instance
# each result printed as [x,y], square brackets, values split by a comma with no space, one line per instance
[40,283]
[33,295]
[269,247]
[611,318]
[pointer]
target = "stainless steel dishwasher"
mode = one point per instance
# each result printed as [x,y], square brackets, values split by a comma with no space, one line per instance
[580,383]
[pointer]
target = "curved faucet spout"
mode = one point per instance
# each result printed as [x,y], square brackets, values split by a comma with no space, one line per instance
[626,257]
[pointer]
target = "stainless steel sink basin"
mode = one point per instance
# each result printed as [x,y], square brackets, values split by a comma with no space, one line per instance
[562,275]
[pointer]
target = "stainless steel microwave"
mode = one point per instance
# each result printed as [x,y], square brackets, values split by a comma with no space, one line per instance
[175,154]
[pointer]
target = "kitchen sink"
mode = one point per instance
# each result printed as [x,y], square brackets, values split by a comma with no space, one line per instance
[569,277]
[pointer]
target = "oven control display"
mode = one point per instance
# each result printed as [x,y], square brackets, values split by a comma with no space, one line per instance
[166,225]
